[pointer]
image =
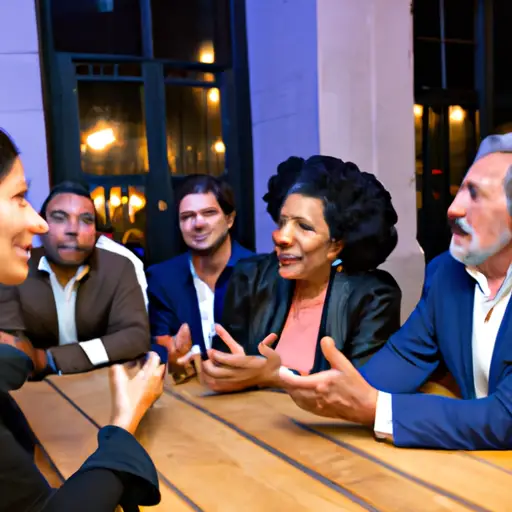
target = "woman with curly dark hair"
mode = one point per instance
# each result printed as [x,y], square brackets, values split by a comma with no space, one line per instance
[335,226]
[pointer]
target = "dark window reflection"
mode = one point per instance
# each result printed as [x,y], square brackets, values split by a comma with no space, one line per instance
[501,33]
[194,130]
[191,30]
[427,64]
[426,18]
[97,26]
[459,19]
[460,65]
[112,128]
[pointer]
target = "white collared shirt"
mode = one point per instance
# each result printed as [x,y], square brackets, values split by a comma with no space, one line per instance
[486,324]
[104,242]
[206,300]
[65,304]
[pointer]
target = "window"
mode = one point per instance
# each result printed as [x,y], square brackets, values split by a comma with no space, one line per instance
[444,44]
[97,26]
[191,30]
[112,128]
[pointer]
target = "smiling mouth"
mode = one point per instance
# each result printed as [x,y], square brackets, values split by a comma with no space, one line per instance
[69,248]
[457,229]
[24,250]
[288,259]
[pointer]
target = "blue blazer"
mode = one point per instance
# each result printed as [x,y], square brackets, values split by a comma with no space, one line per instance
[173,299]
[440,330]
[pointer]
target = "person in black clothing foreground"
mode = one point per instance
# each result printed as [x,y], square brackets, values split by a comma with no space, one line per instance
[120,472]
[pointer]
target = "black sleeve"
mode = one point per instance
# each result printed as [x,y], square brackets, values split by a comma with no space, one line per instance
[375,317]
[236,314]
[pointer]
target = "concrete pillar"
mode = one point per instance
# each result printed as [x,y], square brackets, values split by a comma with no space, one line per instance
[366,98]
[21,99]
[336,77]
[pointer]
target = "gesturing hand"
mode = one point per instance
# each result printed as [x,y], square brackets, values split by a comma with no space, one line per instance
[133,396]
[341,392]
[235,371]
[177,345]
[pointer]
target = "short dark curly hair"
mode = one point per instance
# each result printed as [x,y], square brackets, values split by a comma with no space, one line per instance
[357,207]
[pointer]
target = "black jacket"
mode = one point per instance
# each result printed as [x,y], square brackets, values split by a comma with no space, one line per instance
[361,310]
[118,472]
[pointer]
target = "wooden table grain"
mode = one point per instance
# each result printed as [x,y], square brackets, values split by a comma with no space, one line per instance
[257,451]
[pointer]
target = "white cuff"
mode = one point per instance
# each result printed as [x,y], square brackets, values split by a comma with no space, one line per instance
[384,414]
[283,369]
[95,351]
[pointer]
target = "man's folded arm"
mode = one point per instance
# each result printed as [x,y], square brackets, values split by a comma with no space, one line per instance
[126,338]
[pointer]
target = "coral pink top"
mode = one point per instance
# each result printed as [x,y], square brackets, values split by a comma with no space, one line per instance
[297,344]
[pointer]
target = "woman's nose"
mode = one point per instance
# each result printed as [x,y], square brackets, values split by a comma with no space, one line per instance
[36,224]
[282,237]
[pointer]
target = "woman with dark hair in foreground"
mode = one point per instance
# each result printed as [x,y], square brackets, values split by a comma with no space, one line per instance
[120,472]
[335,226]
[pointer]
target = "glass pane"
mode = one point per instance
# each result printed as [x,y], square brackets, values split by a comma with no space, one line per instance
[459,19]
[194,130]
[427,22]
[460,66]
[112,128]
[418,136]
[191,30]
[97,26]
[501,46]
[427,64]
[502,120]
[462,144]
[123,208]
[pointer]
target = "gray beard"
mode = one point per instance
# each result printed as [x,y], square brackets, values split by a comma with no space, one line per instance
[213,248]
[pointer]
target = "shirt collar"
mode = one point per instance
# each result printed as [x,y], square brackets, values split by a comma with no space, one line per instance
[44,266]
[237,253]
[482,283]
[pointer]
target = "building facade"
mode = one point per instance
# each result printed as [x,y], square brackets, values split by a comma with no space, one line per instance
[132,95]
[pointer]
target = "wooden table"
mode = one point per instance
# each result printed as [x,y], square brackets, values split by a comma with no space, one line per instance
[258,452]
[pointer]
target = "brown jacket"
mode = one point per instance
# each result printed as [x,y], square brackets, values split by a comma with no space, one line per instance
[109,306]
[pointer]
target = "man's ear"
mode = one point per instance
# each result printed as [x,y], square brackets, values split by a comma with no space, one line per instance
[231,219]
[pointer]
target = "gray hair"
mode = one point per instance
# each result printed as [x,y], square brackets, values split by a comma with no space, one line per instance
[508,189]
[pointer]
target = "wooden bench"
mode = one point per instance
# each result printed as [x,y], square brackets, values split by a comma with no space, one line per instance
[257,451]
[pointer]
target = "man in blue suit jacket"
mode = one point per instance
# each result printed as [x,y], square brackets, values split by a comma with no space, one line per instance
[186,293]
[463,320]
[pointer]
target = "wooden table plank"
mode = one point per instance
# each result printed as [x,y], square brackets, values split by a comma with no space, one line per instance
[475,481]
[217,467]
[260,415]
[46,468]
[68,437]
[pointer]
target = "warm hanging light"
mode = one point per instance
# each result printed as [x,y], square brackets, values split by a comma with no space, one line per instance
[214,95]
[418,110]
[100,139]
[457,114]
[219,147]
[206,53]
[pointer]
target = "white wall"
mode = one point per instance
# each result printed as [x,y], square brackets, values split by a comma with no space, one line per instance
[281,36]
[21,101]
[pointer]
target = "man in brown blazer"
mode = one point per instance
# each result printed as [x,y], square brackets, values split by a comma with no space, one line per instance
[81,307]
